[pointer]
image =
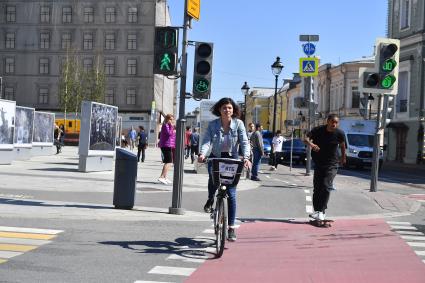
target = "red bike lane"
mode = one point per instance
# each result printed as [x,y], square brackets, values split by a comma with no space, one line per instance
[351,251]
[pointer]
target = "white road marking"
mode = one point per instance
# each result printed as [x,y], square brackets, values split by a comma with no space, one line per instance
[398,223]
[309,208]
[410,233]
[29,230]
[421,253]
[416,244]
[171,270]
[308,198]
[307,191]
[208,231]
[19,241]
[205,237]
[7,254]
[267,176]
[403,227]
[197,259]
[414,238]
[141,281]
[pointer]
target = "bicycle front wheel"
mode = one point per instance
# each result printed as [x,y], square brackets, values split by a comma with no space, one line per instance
[221,225]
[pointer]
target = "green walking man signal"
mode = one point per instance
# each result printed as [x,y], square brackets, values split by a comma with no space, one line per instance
[166,51]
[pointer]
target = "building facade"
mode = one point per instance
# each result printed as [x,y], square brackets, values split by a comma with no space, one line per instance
[406,21]
[37,37]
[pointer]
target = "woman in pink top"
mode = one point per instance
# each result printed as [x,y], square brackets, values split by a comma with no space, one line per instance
[167,143]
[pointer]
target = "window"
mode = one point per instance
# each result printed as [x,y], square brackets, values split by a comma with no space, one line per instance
[10,14]
[131,96]
[131,42]
[45,14]
[403,88]
[9,93]
[10,40]
[9,65]
[88,14]
[405,14]
[131,67]
[88,41]
[44,66]
[66,15]
[355,97]
[109,96]
[110,41]
[87,64]
[66,40]
[109,67]
[43,96]
[44,40]
[132,15]
[110,15]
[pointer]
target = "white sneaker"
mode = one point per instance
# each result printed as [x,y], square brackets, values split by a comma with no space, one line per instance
[314,215]
[162,180]
[321,216]
[168,181]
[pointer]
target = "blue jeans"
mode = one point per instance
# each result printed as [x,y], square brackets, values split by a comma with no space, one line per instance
[231,196]
[255,163]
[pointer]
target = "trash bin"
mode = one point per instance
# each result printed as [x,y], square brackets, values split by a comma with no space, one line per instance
[125,179]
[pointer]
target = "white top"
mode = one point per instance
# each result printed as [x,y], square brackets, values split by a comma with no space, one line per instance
[277,143]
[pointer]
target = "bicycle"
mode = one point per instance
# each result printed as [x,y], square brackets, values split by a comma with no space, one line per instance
[225,172]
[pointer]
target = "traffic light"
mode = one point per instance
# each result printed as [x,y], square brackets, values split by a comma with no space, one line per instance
[202,71]
[166,51]
[383,78]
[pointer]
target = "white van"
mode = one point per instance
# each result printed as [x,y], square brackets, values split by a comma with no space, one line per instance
[359,135]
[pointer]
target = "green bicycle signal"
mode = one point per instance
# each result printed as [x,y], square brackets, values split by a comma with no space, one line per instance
[202,85]
[388,81]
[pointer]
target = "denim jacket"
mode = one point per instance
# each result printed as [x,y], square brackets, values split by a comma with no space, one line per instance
[214,138]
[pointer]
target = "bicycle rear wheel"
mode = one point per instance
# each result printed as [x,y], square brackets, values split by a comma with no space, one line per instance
[221,227]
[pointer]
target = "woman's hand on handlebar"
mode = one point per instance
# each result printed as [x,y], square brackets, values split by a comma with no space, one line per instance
[201,158]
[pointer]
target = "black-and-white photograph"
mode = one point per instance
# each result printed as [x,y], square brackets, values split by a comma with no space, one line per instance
[24,125]
[118,131]
[7,122]
[43,127]
[103,127]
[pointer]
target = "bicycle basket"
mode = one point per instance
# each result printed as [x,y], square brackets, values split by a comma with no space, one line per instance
[226,171]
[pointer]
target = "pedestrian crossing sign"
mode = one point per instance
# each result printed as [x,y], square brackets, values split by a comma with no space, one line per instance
[309,67]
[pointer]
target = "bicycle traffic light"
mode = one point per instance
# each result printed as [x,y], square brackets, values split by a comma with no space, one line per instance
[166,51]
[383,78]
[202,72]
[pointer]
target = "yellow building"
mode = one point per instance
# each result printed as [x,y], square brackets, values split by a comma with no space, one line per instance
[258,107]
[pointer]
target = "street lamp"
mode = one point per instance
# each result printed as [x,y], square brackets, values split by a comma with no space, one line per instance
[277,67]
[300,114]
[245,92]
[370,99]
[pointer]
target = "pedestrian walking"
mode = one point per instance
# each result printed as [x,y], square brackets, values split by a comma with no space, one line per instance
[187,135]
[142,138]
[194,145]
[57,138]
[277,143]
[132,135]
[257,151]
[167,143]
[324,141]
[222,139]
[251,129]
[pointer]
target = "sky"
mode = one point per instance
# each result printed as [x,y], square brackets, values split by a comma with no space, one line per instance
[249,35]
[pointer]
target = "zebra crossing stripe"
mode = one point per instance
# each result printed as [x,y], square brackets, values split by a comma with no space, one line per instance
[413,238]
[398,223]
[398,227]
[197,258]
[26,235]
[8,254]
[16,248]
[24,241]
[308,198]
[2,260]
[421,253]
[416,244]
[171,270]
[29,230]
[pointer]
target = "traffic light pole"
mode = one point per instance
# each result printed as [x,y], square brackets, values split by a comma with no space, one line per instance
[375,156]
[181,122]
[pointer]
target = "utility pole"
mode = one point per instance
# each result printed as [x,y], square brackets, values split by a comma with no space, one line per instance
[181,122]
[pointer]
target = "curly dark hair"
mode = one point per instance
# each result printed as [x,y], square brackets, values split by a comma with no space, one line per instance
[226,100]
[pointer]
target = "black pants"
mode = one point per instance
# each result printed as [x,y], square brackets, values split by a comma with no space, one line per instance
[322,182]
[275,158]
[141,149]
[194,150]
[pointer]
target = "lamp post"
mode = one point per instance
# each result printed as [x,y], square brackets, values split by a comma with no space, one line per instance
[277,67]
[370,99]
[245,92]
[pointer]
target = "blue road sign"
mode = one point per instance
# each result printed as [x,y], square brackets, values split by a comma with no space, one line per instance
[309,49]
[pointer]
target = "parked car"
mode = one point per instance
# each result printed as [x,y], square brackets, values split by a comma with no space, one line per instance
[267,135]
[298,152]
[267,147]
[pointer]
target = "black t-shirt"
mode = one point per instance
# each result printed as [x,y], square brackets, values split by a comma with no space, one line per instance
[328,143]
[143,138]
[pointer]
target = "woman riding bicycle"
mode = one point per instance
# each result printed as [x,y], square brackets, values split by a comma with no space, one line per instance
[223,138]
